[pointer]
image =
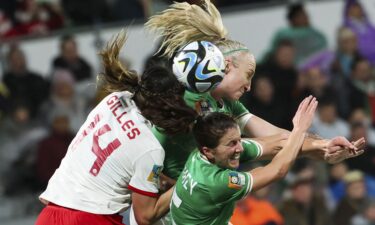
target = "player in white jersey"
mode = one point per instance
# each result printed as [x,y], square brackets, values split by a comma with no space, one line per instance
[115,160]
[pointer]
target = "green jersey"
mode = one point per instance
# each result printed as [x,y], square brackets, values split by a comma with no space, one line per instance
[178,147]
[207,194]
[306,41]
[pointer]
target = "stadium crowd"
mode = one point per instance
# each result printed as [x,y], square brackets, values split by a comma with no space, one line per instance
[41,17]
[37,112]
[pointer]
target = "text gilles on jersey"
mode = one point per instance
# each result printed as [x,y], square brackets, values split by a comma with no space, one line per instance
[118,111]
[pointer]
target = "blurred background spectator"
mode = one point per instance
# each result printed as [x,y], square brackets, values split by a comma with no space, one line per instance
[64,97]
[256,209]
[306,39]
[366,216]
[23,84]
[280,70]
[261,101]
[60,135]
[356,19]
[354,199]
[326,123]
[305,206]
[69,59]
[86,12]
[31,17]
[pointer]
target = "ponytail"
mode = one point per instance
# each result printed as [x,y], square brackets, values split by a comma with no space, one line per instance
[183,23]
[116,77]
[157,93]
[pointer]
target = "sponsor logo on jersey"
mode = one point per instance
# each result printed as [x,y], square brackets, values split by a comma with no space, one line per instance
[236,180]
[155,173]
[203,107]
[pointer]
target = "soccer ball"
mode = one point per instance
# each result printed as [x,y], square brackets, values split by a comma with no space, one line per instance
[199,66]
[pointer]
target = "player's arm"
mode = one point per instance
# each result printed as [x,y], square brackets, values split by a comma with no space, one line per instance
[148,209]
[330,150]
[148,205]
[269,145]
[283,160]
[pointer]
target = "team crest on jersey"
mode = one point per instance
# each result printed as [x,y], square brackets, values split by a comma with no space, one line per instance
[203,107]
[155,173]
[236,180]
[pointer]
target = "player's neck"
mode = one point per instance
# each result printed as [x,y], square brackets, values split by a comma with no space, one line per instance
[216,94]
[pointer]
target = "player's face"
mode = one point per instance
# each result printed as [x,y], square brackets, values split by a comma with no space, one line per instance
[227,153]
[237,80]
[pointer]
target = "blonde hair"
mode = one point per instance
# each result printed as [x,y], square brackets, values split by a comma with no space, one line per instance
[183,23]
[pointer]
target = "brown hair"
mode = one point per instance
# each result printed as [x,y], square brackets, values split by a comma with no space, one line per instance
[157,93]
[210,128]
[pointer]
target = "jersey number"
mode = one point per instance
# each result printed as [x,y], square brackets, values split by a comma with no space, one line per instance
[102,153]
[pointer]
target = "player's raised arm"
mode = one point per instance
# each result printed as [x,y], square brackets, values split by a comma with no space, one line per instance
[283,160]
[330,150]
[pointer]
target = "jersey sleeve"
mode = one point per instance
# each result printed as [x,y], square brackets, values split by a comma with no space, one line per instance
[240,113]
[147,169]
[231,185]
[237,108]
[202,103]
[251,150]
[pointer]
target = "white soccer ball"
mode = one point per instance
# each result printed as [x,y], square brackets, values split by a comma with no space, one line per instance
[199,66]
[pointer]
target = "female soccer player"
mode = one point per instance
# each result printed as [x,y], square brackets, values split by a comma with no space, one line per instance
[210,178]
[115,160]
[183,23]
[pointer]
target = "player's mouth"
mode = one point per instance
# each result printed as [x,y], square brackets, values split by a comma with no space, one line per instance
[235,156]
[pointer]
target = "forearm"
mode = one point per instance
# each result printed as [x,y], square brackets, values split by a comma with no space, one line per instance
[271,145]
[280,164]
[314,147]
[257,127]
[148,210]
[287,155]
[162,205]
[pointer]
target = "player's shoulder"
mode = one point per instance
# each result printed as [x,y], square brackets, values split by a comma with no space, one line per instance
[226,183]
[194,96]
[232,102]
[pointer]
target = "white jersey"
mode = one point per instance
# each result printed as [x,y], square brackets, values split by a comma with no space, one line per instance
[113,154]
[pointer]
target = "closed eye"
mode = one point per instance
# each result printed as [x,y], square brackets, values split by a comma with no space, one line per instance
[233,143]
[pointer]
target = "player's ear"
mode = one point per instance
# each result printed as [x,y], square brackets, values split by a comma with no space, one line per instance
[228,64]
[208,152]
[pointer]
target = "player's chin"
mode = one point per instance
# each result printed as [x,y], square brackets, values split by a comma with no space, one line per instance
[235,97]
[234,163]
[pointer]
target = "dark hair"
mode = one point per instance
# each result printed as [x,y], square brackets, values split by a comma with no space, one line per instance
[157,93]
[210,128]
[284,43]
[358,59]
[65,38]
[13,48]
[327,100]
[160,99]
[293,10]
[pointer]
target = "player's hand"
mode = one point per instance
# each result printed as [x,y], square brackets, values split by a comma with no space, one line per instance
[339,149]
[165,182]
[305,113]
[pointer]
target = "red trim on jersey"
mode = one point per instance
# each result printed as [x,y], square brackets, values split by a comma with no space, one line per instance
[150,194]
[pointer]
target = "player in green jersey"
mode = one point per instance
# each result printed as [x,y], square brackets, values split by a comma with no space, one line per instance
[209,186]
[177,28]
